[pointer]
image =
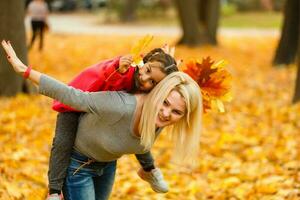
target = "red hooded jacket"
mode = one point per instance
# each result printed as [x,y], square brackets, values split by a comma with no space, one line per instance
[100,77]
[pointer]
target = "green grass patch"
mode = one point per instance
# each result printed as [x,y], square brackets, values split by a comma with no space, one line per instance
[252,20]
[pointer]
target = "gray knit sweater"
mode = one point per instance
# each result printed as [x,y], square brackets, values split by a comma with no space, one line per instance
[105,130]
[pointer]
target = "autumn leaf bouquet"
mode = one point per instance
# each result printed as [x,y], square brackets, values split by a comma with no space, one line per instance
[213,79]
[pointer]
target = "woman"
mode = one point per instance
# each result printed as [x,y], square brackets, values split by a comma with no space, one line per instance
[118,123]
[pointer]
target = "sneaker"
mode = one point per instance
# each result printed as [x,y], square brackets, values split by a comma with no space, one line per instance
[55,196]
[155,179]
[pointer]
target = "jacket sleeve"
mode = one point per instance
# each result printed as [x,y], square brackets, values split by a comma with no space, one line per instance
[91,79]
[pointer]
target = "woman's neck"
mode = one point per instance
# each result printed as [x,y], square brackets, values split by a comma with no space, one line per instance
[140,98]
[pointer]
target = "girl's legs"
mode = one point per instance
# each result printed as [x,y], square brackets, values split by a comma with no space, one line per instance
[146,161]
[65,133]
[94,181]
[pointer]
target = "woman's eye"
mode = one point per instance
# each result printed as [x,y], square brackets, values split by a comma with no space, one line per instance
[165,103]
[177,112]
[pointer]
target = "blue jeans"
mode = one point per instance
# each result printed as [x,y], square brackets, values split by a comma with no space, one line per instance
[92,181]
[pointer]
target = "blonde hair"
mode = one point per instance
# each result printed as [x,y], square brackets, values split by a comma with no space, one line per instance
[185,132]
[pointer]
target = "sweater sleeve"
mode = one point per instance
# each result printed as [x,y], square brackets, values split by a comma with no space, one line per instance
[108,105]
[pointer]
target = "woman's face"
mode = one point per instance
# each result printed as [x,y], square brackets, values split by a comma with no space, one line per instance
[172,110]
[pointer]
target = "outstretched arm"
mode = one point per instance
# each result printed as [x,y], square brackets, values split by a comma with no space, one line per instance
[100,103]
[17,64]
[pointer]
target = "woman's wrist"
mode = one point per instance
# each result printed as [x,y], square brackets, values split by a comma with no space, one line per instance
[23,69]
[26,74]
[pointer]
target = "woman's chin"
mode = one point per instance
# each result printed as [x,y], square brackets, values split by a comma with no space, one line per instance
[160,124]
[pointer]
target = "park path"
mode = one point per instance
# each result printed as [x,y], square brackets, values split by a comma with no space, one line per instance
[89,24]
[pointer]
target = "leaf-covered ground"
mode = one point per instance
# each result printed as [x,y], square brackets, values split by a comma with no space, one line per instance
[250,152]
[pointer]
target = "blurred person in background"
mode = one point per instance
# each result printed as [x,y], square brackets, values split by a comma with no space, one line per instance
[38,12]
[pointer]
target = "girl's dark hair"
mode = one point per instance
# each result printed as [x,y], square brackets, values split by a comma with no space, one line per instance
[157,54]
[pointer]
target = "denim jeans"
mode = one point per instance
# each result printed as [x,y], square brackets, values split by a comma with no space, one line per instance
[92,181]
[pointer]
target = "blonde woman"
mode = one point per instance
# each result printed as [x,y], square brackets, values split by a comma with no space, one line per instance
[118,123]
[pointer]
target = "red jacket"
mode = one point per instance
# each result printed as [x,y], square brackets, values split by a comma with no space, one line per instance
[100,77]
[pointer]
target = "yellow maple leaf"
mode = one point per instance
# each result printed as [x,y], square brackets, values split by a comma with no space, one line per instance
[138,48]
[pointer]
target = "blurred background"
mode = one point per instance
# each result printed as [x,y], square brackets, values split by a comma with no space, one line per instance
[251,151]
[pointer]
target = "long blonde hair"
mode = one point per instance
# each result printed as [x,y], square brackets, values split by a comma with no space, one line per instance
[186,132]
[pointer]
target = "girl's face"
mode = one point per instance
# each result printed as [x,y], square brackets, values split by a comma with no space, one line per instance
[149,75]
[172,110]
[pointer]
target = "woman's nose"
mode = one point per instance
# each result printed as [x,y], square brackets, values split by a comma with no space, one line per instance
[166,113]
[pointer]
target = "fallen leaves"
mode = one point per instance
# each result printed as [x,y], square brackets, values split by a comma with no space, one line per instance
[249,152]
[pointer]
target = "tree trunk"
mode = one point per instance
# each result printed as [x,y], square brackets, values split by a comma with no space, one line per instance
[297,87]
[210,20]
[188,16]
[287,47]
[199,21]
[12,28]
[128,12]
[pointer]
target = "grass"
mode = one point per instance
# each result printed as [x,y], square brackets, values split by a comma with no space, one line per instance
[252,20]
[260,20]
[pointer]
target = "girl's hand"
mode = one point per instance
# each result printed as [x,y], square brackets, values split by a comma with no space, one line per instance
[18,66]
[124,63]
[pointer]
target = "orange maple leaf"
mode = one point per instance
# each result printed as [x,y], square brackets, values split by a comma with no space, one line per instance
[214,81]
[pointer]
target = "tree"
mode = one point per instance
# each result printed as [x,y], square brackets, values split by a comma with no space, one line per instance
[287,47]
[199,21]
[128,13]
[297,87]
[289,43]
[12,28]
[126,10]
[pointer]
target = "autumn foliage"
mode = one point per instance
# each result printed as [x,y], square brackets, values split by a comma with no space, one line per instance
[213,79]
[248,152]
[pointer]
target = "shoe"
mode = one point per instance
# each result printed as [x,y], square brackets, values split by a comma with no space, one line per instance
[55,196]
[155,179]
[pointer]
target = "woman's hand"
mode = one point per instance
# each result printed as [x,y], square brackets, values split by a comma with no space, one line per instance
[124,63]
[18,66]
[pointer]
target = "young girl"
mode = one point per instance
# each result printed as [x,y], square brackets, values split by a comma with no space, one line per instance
[106,76]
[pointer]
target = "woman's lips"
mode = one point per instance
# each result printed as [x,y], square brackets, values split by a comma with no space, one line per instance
[161,118]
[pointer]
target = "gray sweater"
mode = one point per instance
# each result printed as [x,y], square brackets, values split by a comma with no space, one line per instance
[105,131]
